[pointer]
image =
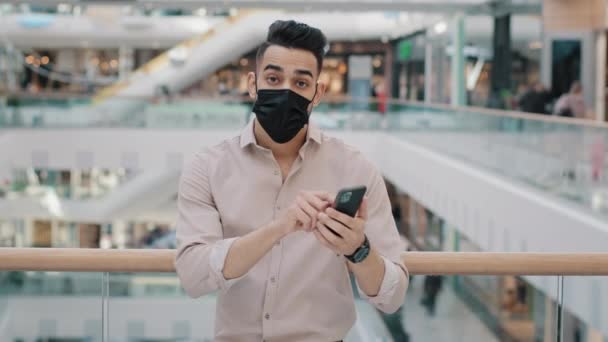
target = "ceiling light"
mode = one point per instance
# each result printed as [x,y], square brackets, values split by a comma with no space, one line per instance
[440,27]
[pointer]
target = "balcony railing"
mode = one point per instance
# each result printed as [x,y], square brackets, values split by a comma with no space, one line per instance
[418,263]
[130,295]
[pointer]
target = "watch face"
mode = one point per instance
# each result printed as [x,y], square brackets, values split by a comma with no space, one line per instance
[361,254]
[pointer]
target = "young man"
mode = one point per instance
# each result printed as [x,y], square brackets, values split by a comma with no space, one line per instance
[255,213]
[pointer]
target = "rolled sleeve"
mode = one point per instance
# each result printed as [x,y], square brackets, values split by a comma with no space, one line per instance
[201,248]
[392,290]
[217,260]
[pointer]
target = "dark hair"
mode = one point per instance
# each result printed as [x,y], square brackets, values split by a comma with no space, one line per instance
[294,35]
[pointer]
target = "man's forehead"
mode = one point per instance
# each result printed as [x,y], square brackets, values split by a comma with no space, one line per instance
[289,59]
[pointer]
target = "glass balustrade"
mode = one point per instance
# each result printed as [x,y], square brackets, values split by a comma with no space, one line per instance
[556,157]
[76,306]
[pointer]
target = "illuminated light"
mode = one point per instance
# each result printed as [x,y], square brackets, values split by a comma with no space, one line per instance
[44,60]
[201,12]
[63,8]
[440,27]
[342,68]
[377,62]
[535,45]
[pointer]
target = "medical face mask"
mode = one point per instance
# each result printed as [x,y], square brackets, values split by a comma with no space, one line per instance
[281,112]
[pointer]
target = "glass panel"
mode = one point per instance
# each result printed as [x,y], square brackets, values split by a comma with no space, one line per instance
[481,308]
[139,304]
[50,306]
[585,309]
[561,159]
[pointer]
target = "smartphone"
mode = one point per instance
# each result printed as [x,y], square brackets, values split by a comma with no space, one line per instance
[349,200]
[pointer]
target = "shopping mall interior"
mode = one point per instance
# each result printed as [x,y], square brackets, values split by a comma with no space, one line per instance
[486,118]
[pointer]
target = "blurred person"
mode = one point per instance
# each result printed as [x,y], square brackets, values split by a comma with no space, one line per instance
[535,100]
[571,104]
[495,99]
[255,212]
[380,94]
[432,287]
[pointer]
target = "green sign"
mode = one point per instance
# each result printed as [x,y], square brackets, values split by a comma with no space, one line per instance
[405,50]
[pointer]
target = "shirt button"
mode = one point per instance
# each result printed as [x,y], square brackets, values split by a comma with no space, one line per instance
[267,316]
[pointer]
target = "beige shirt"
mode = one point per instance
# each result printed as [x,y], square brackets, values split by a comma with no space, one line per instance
[300,290]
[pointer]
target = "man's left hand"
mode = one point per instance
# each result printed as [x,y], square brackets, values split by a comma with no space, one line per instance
[350,229]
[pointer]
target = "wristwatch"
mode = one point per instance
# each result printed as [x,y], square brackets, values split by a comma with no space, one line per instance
[360,253]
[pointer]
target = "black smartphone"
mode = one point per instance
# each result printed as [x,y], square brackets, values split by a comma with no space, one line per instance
[349,200]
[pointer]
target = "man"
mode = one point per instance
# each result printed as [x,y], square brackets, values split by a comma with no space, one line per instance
[255,213]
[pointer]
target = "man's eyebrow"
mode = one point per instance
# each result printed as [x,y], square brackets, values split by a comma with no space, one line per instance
[273,67]
[304,72]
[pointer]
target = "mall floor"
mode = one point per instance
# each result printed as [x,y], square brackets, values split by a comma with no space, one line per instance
[453,320]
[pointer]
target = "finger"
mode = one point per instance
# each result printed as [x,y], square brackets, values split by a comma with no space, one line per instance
[334,240]
[308,209]
[340,217]
[304,219]
[325,196]
[317,202]
[362,213]
[322,239]
[344,232]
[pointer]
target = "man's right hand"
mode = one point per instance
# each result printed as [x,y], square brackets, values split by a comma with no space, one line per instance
[302,214]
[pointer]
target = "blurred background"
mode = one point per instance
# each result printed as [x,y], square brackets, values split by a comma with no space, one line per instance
[486,117]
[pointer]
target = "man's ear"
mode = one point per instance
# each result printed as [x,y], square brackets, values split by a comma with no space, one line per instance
[251,86]
[321,86]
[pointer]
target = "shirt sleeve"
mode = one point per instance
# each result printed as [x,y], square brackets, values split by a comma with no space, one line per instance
[201,248]
[382,233]
[391,286]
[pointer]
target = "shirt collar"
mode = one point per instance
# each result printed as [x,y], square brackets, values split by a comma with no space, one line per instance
[248,136]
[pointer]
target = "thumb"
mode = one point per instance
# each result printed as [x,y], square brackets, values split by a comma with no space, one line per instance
[362,213]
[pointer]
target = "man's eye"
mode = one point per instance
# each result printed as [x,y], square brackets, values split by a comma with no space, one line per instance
[272,79]
[302,84]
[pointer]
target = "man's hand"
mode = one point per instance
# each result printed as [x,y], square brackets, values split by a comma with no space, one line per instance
[350,229]
[302,214]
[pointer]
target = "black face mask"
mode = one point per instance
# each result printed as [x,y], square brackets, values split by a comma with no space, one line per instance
[281,112]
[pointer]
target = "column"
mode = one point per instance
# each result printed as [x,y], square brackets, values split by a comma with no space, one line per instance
[501,65]
[389,71]
[600,74]
[125,62]
[458,91]
[428,69]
